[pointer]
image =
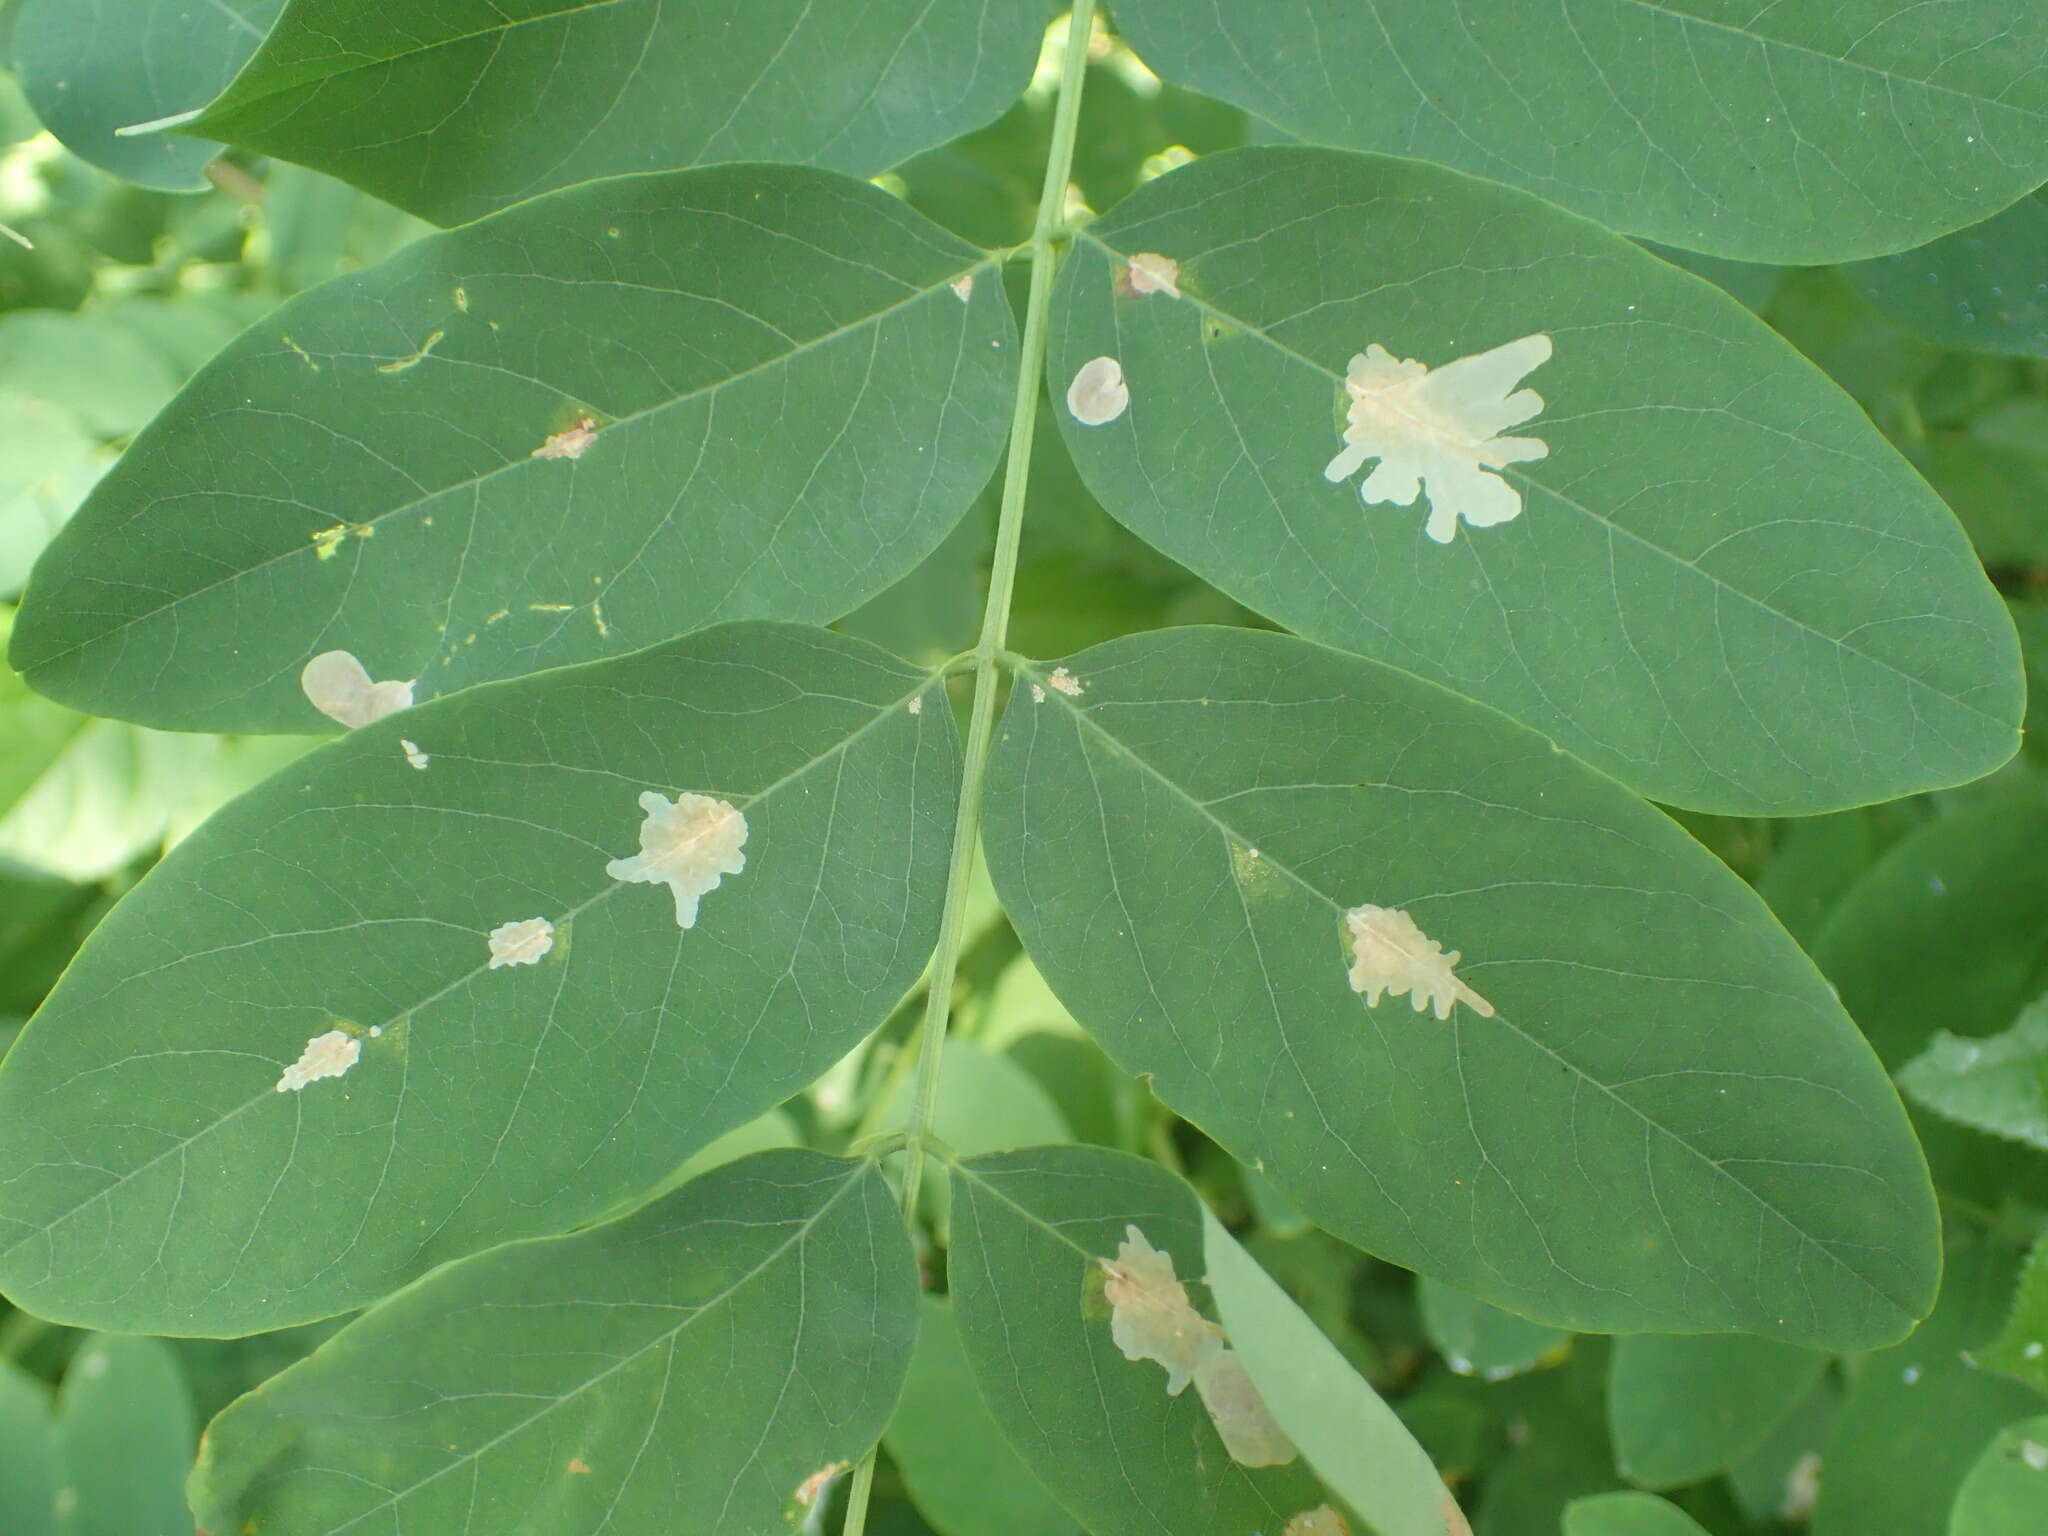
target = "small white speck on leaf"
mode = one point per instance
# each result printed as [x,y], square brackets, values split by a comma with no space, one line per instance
[336,684]
[327,1055]
[93,1363]
[2034,1454]
[413,754]
[1910,1375]
[1098,394]
[916,705]
[521,943]
[963,287]
[1063,681]
[1038,693]
[1148,272]
[687,844]
[572,442]
[1389,953]
[1802,1489]
[327,540]
[2034,1349]
[1240,1415]
[1320,1521]
[1437,430]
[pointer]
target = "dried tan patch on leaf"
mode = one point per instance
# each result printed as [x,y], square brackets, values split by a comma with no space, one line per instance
[1390,954]
[1439,430]
[521,943]
[1455,1523]
[963,287]
[413,754]
[1098,394]
[336,684]
[808,1491]
[578,1467]
[688,844]
[572,442]
[1150,1316]
[1148,272]
[1240,1414]
[1063,681]
[1320,1521]
[328,1055]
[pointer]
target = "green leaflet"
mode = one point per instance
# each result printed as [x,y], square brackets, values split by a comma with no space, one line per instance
[28,1454]
[1097,1429]
[2006,1492]
[1345,1431]
[2021,1348]
[1723,586]
[1918,1414]
[1668,1125]
[684,1370]
[1478,1339]
[1628,1514]
[453,108]
[1683,1407]
[1999,1085]
[1979,288]
[156,1179]
[788,408]
[124,1438]
[91,67]
[960,1471]
[1805,133]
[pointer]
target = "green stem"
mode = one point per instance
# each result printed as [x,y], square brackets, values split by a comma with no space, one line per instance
[989,654]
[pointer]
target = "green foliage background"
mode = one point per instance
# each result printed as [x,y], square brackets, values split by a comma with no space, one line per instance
[1738,690]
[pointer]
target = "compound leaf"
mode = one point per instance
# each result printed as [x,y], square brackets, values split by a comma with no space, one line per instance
[454,108]
[1709,576]
[329,931]
[1663,1122]
[572,430]
[1808,133]
[685,1370]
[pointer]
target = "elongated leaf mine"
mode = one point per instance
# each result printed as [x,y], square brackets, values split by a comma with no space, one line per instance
[1390,954]
[1240,1415]
[337,685]
[1098,394]
[688,844]
[1437,430]
[327,1055]
[521,943]
[1150,1316]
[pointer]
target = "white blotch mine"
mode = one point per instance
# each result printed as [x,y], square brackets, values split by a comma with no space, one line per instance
[1390,954]
[1149,272]
[1437,430]
[2034,1454]
[327,1055]
[572,442]
[1038,693]
[963,287]
[1320,1521]
[336,685]
[1239,1414]
[1098,394]
[414,755]
[521,943]
[1802,1489]
[1150,1317]
[917,704]
[687,845]
[1063,681]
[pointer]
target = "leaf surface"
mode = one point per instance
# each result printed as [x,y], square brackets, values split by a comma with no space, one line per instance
[1713,579]
[455,108]
[683,1370]
[575,429]
[1478,1339]
[1628,1514]
[2006,1492]
[124,1439]
[1979,288]
[1999,1085]
[1683,1407]
[92,67]
[1667,1122]
[1099,1430]
[28,1454]
[156,1176]
[1774,133]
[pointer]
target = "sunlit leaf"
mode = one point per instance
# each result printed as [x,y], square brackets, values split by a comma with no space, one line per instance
[1709,577]
[1178,841]
[1125,1458]
[781,404]
[454,108]
[1685,1406]
[684,1370]
[162,1181]
[124,1437]
[1775,133]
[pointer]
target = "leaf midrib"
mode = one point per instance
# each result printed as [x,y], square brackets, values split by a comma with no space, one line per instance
[405,1015]
[306,549]
[1223,828]
[1615,529]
